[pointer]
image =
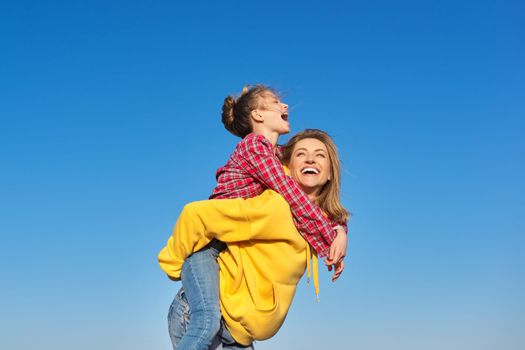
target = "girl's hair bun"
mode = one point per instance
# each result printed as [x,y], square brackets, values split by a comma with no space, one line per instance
[228,113]
[236,112]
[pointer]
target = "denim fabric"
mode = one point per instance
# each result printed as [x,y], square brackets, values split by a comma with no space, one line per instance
[227,341]
[200,279]
[179,318]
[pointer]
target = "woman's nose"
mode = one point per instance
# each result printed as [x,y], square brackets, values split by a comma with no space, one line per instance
[285,106]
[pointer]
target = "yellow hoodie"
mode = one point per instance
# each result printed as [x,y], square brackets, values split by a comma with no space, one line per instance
[261,266]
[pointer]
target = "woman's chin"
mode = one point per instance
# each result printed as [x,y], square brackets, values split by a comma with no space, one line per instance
[310,186]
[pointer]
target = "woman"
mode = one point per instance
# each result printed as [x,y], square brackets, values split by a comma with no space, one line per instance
[265,255]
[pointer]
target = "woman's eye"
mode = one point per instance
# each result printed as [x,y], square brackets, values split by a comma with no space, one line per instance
[321,155]
[299,154]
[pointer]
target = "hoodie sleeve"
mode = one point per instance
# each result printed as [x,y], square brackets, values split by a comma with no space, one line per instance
[228,220]
[198,223]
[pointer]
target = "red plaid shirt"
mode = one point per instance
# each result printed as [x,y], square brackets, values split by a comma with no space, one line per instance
[253,168]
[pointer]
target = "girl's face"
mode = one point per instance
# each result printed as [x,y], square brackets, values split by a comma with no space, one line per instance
[310,166]
[274,113]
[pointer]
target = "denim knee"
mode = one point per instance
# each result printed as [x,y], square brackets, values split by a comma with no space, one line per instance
[200,278]
[178,317]
[213,324]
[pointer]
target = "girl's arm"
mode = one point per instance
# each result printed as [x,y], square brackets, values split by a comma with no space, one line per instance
[258,159]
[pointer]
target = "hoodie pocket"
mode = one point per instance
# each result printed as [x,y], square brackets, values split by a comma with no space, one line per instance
[266,319]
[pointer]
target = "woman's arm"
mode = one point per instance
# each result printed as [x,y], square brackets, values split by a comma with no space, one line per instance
[198,223]
[228,220]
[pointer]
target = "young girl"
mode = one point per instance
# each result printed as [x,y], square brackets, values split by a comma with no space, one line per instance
[259,117]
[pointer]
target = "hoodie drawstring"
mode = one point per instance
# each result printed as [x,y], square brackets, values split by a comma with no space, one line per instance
[315,268]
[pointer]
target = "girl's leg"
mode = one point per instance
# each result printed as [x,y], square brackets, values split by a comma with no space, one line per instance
[236,346]
[228,343]
[200,279]
[178,317]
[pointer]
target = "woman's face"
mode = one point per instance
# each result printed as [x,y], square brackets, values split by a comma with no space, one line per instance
[310,166]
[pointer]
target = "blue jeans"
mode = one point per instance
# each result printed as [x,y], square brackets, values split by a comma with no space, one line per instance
[194,318]
[200,279]
[179,319]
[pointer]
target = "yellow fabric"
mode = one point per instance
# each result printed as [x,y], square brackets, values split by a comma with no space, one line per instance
[261,266]
[316,275]
[312,257]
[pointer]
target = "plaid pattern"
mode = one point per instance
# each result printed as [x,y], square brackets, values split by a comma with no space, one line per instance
[252,168]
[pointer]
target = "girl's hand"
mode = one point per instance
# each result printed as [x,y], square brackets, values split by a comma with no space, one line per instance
[337,253]
[337,250]
[339,267]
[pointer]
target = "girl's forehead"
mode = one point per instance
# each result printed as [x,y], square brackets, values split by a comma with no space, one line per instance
[269,94]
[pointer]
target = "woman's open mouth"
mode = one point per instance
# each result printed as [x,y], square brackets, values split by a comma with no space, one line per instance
[309,171]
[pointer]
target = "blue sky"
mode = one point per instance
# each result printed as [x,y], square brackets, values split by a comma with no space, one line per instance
[111,122]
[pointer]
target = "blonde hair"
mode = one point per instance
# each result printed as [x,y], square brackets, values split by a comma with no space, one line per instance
[329,198]
[236,110]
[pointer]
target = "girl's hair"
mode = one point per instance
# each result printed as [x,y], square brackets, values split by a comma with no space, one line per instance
[329,197]
[236,111]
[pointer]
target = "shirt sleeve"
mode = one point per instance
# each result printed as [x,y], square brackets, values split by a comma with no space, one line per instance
[344,225]
[258,159]
[279,151]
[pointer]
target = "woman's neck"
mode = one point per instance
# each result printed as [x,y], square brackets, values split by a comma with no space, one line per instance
[312,193]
